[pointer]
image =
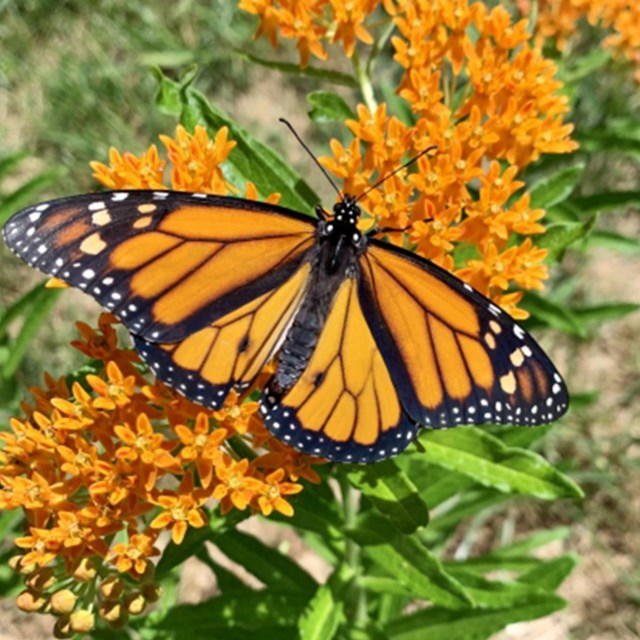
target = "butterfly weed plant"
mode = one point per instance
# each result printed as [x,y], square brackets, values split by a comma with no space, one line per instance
[121,479]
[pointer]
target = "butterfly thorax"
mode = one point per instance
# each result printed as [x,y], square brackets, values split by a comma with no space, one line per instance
[334,259]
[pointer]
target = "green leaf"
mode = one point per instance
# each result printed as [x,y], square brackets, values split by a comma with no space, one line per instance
[560,236]
[493,594]
[250,159]
[26,193]
[392,493]
[415,567]
[437,623]
[227,581]
[585,65]
[333,77]
[612,241]
[605,312]
[544,312]
[40,304]
[169,96]
[490,462]
[550,574]
[328,107]
[379,584]
[248,612]
[325,611]
[611,141]
[267,564]
[194,540]
[606,201]
[555,188]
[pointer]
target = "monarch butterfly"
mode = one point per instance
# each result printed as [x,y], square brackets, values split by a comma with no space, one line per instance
[371,340]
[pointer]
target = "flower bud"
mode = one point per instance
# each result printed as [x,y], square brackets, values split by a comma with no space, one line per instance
[82,621]
[31,601]
[62,628]
[111,611]
[135,603]
[27,569]
[42,579]
[14,562]
[152,592]
[63,601]
[111,587]
[85,571]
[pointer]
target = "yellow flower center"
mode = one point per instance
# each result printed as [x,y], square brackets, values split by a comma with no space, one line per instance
[273,492]
[235,482]
[141,443]
[200,441]
[179,513]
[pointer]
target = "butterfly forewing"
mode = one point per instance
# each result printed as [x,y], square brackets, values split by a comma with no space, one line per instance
[166,263]
[456,358]
[230,352]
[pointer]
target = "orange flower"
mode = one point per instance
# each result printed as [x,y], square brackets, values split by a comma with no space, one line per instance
[235,487]
[201,446]
[129,171]
[273,491]
[133,556]
[182,509]
[196,160]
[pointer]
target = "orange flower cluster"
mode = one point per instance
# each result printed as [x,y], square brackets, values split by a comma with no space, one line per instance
[310,22]
[486,97]
[558,19]
[102,466]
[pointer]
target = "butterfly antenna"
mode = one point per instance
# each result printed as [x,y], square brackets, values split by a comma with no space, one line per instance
[304,146]
[393,173]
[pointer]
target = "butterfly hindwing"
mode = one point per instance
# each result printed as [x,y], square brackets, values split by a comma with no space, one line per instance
[166,263]
[344,406]
[455,357]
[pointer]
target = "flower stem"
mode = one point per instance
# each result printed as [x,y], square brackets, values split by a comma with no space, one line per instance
[357,598]
[364,82]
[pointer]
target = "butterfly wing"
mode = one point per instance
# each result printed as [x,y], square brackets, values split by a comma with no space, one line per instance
[230,352]
[344,406]
[455,357]
[167,264]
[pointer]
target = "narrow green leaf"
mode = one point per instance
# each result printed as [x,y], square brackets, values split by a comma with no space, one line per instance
[532,542]
[26,193]
[325,611]
[523,436]
[417,569]
[328,107]
[392,493]
[333,77]
[585,65]
[550,574]
[468,505]
[379,584]
[250,159]
[613,241]
[11,161]
[607,201]
[544,312]
[267,564]
[611,141]
[560,236]
[38,314]
[604,312]
[555,188]
[249,612]
[227,581]
[437,623]
[169,95]
[490,462]
[494,594]
[176,554]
